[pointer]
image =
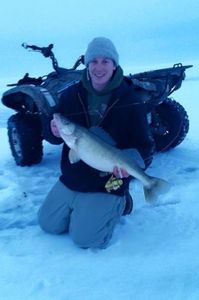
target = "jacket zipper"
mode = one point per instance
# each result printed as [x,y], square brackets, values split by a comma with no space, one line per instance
[108,110]
[84,110]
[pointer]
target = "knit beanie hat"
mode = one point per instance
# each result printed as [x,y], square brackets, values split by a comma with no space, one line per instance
[101,47]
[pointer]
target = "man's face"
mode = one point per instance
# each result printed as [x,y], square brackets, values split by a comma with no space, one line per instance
[101,70]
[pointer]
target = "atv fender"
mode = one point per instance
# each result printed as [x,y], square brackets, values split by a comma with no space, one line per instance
[30,98]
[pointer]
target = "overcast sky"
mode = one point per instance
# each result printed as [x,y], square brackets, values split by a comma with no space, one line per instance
[149,32]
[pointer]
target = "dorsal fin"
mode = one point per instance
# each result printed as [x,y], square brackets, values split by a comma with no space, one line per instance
[103,135]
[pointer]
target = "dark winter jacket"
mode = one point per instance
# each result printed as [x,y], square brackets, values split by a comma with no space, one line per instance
[125,119]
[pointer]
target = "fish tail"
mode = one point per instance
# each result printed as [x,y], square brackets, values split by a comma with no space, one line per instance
[158,186]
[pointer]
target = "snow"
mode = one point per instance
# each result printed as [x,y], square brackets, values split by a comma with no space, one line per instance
[154,251]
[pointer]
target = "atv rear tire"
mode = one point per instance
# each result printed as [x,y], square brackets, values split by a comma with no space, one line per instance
[173,125]
[24,133]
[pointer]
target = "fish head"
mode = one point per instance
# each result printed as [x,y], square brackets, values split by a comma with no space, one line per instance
[65,125]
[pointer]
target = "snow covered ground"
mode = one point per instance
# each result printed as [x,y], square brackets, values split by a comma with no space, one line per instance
[153,253]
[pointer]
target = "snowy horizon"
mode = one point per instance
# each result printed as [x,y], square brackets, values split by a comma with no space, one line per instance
[145,33]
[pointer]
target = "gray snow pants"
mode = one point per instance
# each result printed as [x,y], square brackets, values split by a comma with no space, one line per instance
[89,218]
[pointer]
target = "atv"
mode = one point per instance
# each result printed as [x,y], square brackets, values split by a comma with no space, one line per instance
[35,99]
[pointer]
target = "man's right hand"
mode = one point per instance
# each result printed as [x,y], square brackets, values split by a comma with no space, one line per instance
[54,129]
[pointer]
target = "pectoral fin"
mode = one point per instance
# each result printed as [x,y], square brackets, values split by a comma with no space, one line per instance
[73,156]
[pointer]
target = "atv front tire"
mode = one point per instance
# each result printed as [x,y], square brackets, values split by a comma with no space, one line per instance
[172,125]
[24,133]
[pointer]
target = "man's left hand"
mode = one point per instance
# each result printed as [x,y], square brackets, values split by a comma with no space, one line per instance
[120,172]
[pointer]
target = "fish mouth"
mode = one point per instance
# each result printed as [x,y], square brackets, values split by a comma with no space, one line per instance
[66,127]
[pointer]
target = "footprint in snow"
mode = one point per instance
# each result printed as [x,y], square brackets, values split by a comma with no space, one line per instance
[189,170]
[18,224]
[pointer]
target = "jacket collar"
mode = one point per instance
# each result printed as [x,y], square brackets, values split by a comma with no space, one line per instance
[117,94]
[111,85]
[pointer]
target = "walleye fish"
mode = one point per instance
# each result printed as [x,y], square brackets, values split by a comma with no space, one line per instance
[103,156]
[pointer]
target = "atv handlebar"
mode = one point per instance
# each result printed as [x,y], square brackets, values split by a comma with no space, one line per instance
[46,51]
